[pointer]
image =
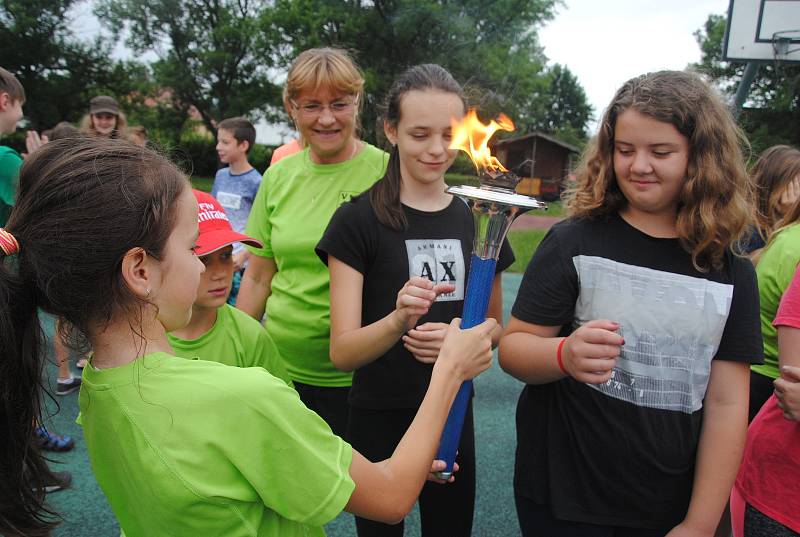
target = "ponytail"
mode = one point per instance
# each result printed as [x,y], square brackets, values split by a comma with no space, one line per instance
[23,470]
[385,195]
[82,204]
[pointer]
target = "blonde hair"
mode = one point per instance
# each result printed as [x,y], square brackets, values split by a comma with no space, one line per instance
[120,130]
[772,173]
[330,68]
[714,205]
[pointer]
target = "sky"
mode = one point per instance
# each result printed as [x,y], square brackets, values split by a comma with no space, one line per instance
[603,42]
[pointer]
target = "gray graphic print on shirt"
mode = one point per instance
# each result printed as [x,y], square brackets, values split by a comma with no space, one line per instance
[672,325]
[439,260]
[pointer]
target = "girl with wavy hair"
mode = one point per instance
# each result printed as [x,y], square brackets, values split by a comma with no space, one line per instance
[635,325]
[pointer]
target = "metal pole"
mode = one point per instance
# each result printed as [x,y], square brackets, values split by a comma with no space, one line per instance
[748,76]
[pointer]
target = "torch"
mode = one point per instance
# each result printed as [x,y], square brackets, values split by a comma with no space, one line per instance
[495,205]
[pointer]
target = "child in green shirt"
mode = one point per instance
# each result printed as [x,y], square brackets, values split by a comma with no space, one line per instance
[180,447]
[217,331]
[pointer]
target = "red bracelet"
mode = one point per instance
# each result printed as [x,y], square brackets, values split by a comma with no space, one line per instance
[559,358]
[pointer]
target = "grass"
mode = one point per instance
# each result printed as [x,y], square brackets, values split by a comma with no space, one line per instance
[554,208]
[524,243]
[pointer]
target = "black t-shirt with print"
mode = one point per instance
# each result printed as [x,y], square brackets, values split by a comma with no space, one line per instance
[436,245]
[623,453]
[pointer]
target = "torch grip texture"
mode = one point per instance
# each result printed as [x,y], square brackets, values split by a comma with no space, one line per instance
[476,302]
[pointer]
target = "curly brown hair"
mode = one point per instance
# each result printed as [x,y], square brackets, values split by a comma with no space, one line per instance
[714,208]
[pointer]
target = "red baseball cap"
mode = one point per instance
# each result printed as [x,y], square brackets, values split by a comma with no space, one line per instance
[215,229]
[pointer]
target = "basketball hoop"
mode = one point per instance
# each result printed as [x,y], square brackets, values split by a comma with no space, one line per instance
[763,31]
[782,42]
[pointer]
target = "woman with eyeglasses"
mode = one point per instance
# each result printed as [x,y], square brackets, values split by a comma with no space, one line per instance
[297,198]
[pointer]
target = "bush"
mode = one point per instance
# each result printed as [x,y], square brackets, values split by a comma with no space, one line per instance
[15,141]
[463,165]
[260,156]
[198,155]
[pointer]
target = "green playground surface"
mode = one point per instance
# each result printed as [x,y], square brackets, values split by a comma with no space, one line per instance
[86,512]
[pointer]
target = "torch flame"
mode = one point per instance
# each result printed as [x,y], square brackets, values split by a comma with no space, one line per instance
[472,137]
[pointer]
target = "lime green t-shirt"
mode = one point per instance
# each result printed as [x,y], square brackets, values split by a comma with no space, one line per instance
[235,339]
[189,447]
[10,162]
[291,211]
[775,271]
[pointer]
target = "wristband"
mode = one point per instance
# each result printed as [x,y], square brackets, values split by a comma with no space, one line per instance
[559,358]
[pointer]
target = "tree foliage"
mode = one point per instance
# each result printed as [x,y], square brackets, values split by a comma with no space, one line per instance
[211,54]
[228,57]
[492,47]
[772,113]
[59,73]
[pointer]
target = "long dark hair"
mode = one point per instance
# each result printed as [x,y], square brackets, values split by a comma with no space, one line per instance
[385,194]
[82,204]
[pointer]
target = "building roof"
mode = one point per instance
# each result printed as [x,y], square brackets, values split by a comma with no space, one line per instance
[536,134]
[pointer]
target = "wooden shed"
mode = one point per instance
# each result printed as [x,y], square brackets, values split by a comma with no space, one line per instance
[550,161]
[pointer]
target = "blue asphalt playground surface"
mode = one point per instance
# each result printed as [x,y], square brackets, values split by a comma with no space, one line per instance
[86,512]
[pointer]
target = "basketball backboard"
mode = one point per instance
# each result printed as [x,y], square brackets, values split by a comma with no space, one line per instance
[763,31]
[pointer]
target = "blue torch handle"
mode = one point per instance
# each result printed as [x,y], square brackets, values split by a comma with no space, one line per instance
[476,302]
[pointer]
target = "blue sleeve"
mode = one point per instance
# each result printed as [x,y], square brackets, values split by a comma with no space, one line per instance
[215,185]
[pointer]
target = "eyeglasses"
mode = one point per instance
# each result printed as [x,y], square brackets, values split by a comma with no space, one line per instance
[337,108]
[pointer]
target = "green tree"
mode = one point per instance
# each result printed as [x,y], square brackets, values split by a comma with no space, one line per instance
[60,73]
[211,54]
[490,46]
[772,113]
[563,109]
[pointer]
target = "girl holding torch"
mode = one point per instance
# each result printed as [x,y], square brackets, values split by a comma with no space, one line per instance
[405,233]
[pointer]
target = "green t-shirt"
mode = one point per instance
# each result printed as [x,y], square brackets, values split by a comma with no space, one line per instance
[10,162]
[291,211]
[775,271]
[235,339]
[189,447]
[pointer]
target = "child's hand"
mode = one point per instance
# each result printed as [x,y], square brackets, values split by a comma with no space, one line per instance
[425,341]
[590,352]
[789,196]
[415,298]
[787,391]
[239,259]
[439,466]
[467,352]
[33,141]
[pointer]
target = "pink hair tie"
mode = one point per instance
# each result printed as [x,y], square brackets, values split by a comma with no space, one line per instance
[8,243]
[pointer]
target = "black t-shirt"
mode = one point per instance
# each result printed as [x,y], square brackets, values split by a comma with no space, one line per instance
[436,245]
[623,453]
